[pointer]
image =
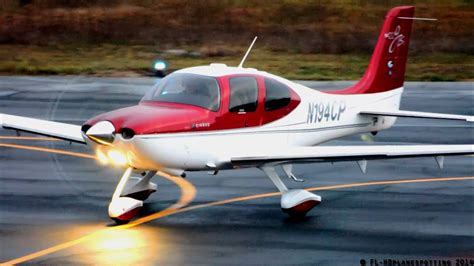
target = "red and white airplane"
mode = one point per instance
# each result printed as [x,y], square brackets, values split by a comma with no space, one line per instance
[216,117]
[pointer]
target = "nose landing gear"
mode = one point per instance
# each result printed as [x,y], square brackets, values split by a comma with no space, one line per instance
[128,198]
[142,188]
[123,209]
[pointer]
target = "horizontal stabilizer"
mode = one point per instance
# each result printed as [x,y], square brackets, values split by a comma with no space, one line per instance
[58,130]
[412,114]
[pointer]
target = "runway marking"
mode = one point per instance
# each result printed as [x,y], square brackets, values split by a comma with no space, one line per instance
[48,150]
[173,210]
[333,187]
[188,192]
[29,138]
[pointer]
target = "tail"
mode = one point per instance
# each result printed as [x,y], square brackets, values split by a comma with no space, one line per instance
[386,69]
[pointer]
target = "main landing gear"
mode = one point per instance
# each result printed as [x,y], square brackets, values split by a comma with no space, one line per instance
[129,196]
[294,202]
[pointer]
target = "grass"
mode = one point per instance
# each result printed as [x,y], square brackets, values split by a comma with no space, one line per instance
[124,60]
[311,39]
[310,26]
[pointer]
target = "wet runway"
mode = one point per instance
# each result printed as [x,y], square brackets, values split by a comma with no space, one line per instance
[53,207]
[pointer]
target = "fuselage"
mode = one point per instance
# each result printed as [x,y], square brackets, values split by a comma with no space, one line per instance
[199,118]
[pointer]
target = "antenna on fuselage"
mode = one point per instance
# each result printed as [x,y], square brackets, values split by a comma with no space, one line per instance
[247,53]
[414,18]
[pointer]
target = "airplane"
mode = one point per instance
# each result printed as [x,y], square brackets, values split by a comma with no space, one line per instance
[218,117]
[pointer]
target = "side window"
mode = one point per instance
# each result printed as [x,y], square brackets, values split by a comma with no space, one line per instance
[243,94]
[277,95]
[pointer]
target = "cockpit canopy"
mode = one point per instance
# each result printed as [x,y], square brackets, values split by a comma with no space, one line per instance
[185,88]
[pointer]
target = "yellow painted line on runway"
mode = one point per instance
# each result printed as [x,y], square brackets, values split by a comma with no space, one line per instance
[28,138]
[171,210]
[48,150]
[350,185]
[188,192]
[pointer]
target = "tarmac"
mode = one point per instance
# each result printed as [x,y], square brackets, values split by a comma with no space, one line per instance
[53,207]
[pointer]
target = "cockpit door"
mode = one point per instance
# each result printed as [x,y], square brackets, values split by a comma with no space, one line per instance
[243,103]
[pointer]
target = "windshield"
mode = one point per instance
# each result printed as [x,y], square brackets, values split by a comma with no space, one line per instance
[190,89]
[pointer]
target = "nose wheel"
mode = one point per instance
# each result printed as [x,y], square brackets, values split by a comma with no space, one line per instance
[123,209]
[127,200]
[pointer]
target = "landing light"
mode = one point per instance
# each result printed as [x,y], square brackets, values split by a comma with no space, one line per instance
[117,157]
[101,157]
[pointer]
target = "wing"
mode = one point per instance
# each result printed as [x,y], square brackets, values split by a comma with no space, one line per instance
[63,131]
[412,114]
[350,153]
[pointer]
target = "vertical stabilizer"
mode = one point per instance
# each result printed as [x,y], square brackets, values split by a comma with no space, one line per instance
[386,70]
